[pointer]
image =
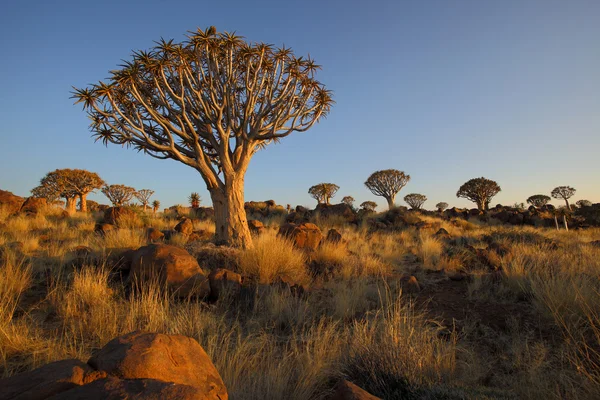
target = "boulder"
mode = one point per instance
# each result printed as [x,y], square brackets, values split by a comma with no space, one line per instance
[46,381]
[410,284]
[10,201]
[256,227]
[104,228]
[169,358]
[119,215]
[154,235]
[204,213]
[224,281]
[345,390]
[442,234]
[33,205]
[334,236]
[185,227]
[172,267]
[342,210]
[287,283]
[305,236]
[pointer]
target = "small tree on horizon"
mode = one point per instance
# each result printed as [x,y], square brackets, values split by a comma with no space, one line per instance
[348,200]
[119,195]
[194,200]
[155,206]
[415,200]
[69,184]
[480,191]
[441,206]
[387,183]
[368,205]
[143,196]
[323,192]
[210,102]
[538,200]
[564,193]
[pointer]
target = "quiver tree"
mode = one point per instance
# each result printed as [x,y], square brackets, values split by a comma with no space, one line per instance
[368,206]
[210,103]
[119,195]
[564,193]
[348,200]
[441,206]
[415,200]
[83,182]
[155,206]
[538,200]
[194,200]
[387,183]
[323,192]
[480,191]
[57,184]
[143,197]
[583,203]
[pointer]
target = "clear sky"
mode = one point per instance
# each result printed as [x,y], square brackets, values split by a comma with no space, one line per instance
[443,90]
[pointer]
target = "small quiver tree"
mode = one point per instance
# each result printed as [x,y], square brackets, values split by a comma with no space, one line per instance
[143,197]
[323,192]
[538,200]
[564,193]
[441,206]
[369,206]
[415,200]
[348,200]
[155,206]
[194,200]
[387,183]
[119,195]
[480,191]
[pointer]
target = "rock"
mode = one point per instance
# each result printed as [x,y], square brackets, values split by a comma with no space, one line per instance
[334,236]
[305,236]
[204,213]
[185,227]
[214,257]
[170,266]
[345,390]
[422,225]
[83,251]
[475,212]
[200,235]
[119,215]
[10,201]
[112,388]
[47,380]
[595,243]
[104,228]
[297,218]
[286,283]
[224,281]
[170,358]
[33,205]
[256,227]
[342,210]
[442,234]
[154,235]
[410,284]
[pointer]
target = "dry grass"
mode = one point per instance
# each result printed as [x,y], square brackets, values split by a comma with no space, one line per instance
[355,324]
[273,256]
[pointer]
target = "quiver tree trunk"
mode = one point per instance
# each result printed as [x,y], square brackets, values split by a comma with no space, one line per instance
[231,226]
[70,204]
[391,201]
[83,202]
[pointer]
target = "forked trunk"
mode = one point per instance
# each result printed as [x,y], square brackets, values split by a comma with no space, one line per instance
[83,202]
[231,225]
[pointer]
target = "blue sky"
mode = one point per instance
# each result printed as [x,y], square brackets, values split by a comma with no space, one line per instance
[443,90]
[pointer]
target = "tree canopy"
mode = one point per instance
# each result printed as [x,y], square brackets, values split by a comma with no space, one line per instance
[564,193]
[415,200]
[441,206]
[68,184]
[119,195]
[323,192]
[538,200]
[480,191]
[368,205]
[387,183]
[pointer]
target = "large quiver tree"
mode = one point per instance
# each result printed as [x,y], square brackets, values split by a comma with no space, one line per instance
[387,183]
[83,182]
[210,102]
[480,191]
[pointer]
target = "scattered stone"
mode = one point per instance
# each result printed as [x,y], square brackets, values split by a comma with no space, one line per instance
[104,228]
[46,381]
[305,236]
[410,284]
[170,358]
[200,235]
[185,227]
[154,235]
[285,282]
[256,227]
[170,266]
[119,215]
[33,205]
[334,236]
[442,234]
[346,390]
[224,281]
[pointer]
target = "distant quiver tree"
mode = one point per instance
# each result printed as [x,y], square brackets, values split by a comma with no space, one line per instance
[387,183]
[564,193]
[480,191]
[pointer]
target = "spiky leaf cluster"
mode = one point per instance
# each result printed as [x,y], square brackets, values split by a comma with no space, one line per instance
[144,195]
[538,200]
[208,102]
[387,183]
[119,195]
[194,200]
[563,192]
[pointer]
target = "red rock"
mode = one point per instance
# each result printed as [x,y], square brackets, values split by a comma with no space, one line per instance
[305,236]
[345,390]
[224,281]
